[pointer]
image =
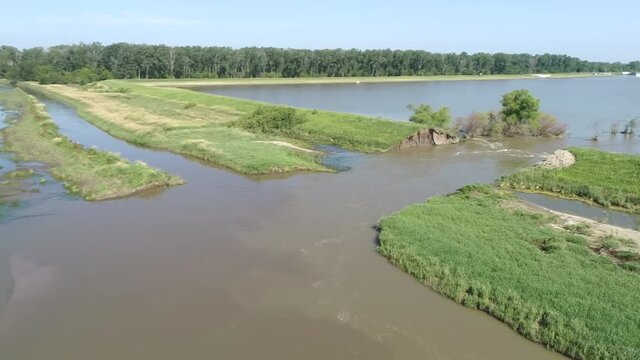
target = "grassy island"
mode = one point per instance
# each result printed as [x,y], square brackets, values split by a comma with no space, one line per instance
[608,179]
[484,249]
[93,174]
[206,126]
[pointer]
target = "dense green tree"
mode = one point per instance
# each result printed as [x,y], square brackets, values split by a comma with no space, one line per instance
[520,107]
[9,59]
[124,60]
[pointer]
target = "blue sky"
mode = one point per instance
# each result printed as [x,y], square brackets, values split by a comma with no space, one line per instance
[605,31]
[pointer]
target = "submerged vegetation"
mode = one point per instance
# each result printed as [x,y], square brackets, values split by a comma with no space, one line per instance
[243,135]
[545,282]
[93,174]
[608,179]
[520,115]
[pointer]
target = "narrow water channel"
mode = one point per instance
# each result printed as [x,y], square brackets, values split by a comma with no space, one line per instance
[579,208]
[231,267]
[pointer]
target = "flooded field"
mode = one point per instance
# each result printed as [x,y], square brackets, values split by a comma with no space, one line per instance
[233,267]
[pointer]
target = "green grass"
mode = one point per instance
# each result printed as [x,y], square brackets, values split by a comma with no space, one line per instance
[93,174]
[608,179]
[350,131]
[214,141]
[206,126]
[579,228]
[539,280]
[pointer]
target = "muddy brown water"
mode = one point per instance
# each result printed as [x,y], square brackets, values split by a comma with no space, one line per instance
[230,267]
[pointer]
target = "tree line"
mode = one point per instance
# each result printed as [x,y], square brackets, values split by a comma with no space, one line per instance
[68,63]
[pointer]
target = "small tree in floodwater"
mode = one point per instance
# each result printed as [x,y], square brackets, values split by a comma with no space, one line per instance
[424,114]
[614,128]
[548,125]
[519,107]
[473,125]
[596,131]
[630,127]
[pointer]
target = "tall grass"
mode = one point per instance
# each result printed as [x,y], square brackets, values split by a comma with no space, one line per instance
[350,131]
[209,127]
[541,281]
[201,131]
[608,179]
[93,174]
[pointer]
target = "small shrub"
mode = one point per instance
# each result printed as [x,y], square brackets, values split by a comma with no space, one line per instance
[576,239]
[272,120]
[548,125]
[615,128]
[630,127]
[609,243]
[473,125]
[516,129]
[424,114]
[496,125]
[627,256]
[120,90]
[549,245]
[189,105]
[631,266]
[579,228]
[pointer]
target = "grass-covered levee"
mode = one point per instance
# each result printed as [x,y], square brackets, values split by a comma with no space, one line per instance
[93,174]
[605,178]
[213,128]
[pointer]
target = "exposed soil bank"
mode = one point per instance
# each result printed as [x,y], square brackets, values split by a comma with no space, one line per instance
[428,137]
[590,229]
[583,209]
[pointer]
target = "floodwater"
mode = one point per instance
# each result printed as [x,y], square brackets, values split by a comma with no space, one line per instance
[586,105]
[231,267]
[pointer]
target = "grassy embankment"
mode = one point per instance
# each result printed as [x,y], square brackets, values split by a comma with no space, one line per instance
[345,80]
[608,179]
[93,174]
[201,125]
[476,248]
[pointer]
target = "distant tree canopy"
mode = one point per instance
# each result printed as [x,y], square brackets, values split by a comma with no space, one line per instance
[126,61]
